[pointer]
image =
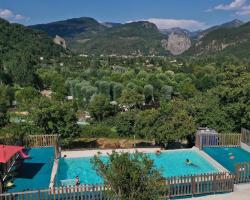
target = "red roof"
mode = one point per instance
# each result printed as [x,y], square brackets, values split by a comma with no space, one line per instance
[7,152]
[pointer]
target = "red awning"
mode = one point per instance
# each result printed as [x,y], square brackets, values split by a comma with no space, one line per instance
[7,152]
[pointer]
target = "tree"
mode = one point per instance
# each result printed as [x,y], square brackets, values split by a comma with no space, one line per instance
[131,98]
[124,123]
[130,176]
[57,119]
[174,123]
[25,96]
[104,88]
[149,93]
[99,107]
[166,92]
[145,123]
[117,91]
[21,69]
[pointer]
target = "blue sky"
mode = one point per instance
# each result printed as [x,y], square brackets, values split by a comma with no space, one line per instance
[190,14]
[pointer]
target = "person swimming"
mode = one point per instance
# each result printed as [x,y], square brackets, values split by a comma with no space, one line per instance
[77,180]
[188,162]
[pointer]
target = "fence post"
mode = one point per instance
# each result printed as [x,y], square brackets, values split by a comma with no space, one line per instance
[193,185]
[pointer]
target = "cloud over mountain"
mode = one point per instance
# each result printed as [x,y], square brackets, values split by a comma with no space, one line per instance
[11,16]
[241,7]
[181,23]
[236,4]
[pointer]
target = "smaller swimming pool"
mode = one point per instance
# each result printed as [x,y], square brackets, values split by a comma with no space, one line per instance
[228,157]
[35,173]
[170,163]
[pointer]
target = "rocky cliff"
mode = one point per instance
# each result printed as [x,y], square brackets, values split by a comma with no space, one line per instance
[177,43]
[60,41]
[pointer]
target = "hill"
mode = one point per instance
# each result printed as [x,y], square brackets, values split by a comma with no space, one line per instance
[21,46]
[86,35]
[71,27]
[225,40]
[16,38]
[136,38]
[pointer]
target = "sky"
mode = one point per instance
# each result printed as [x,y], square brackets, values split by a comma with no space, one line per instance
[189,14]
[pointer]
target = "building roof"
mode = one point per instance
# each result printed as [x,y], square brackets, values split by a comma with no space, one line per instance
[7,152]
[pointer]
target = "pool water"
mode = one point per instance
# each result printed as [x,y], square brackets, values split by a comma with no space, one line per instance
[228,157]
[35,173]
[170,163]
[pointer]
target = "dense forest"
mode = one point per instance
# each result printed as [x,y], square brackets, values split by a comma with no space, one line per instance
[45,90]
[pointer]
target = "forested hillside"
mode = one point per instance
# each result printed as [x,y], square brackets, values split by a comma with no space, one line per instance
[225,40]
[86,35]
[21,49]
[137,38]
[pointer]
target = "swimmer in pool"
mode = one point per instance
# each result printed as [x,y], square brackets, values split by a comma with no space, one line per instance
[188,162]
[77,180]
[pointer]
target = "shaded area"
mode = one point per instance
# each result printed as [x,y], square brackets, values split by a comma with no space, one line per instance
[29,170]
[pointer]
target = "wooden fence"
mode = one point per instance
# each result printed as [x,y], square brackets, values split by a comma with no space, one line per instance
[42,140]
[83,192]
[226,140]
[175,187]
[200,184]
[242,172]
[245,136]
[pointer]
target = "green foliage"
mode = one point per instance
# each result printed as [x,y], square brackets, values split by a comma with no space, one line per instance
[130,176]
[21,49]
[117,91]
[130,98]
[224,41]
[25,97]
[149,93]
[174,123]
[56,119]
[99,107]
[145,123]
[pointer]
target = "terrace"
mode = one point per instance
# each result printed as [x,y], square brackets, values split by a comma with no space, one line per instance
[51,178]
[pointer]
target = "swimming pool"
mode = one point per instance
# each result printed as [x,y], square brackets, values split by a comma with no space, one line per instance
[228,157]
[35,173]
[170,163]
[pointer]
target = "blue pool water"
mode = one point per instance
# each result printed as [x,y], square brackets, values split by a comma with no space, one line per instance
[222,155]
[170,163]
[35,173]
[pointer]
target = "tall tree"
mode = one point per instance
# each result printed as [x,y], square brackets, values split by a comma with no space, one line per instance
[130,176]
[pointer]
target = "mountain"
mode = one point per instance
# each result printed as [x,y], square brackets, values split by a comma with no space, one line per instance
[22,49]
[227,39]
[232,24]
[71,27]
[88,36]
[136,38]
[17,39]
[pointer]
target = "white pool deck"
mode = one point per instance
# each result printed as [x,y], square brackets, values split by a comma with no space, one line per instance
[90,153]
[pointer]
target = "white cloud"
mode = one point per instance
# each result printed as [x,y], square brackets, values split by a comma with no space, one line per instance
[181,23]
[244,11]
[6,13]
[234,5]
[11,16]
[241,7]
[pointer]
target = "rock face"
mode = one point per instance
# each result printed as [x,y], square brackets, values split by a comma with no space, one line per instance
[60,41]
[177,43]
